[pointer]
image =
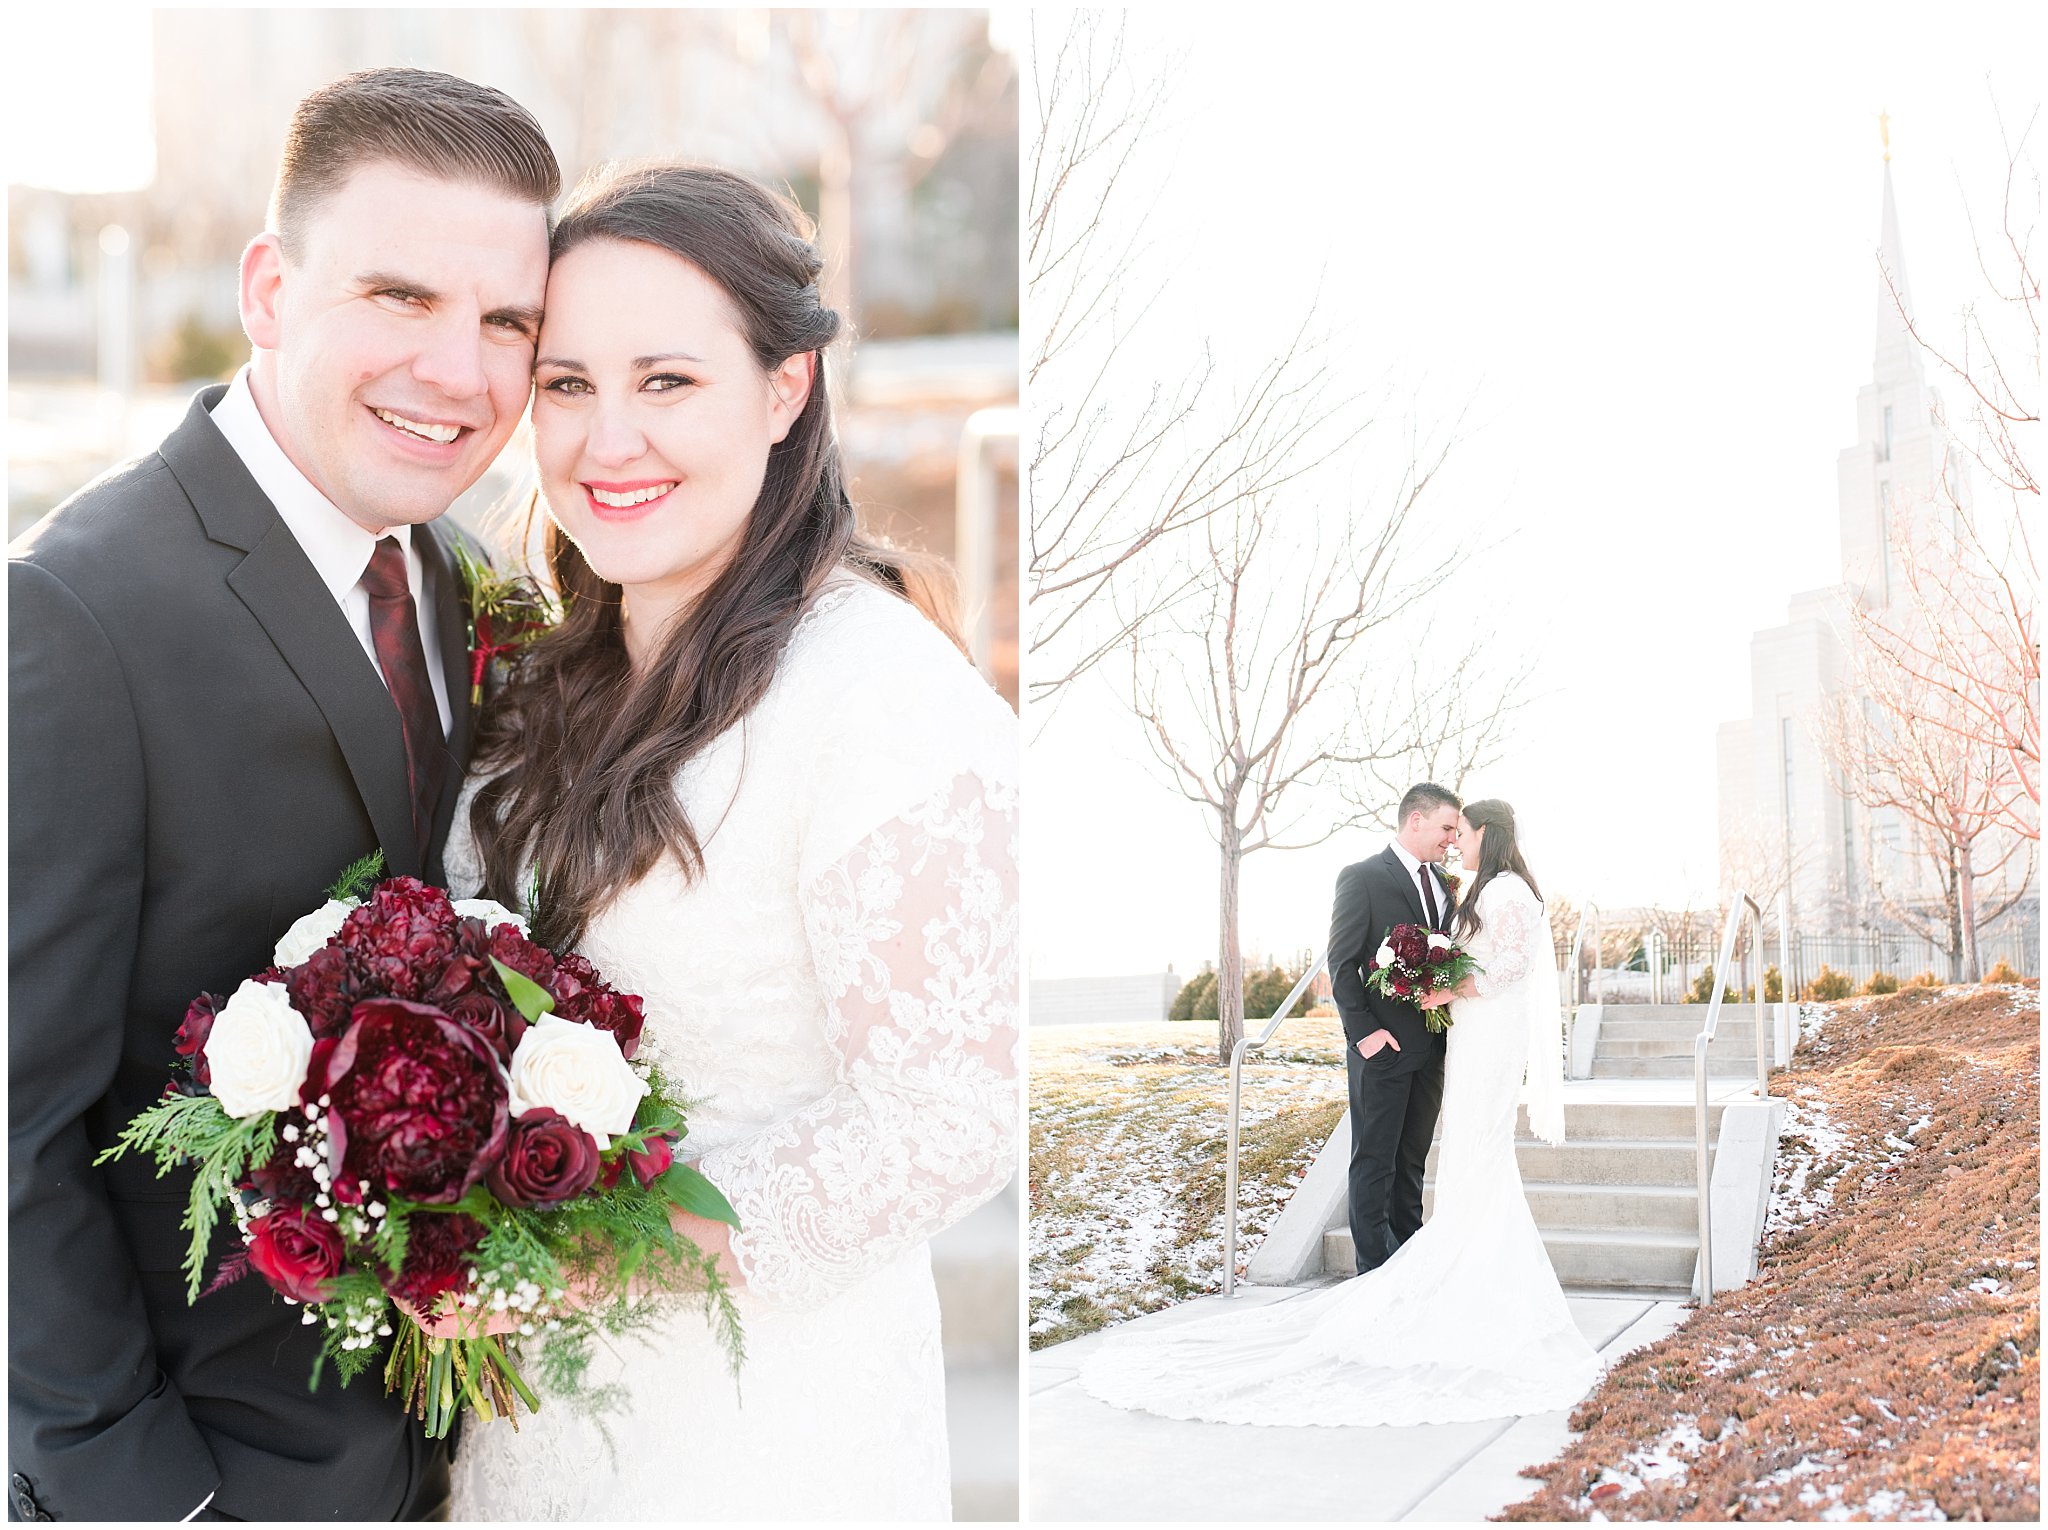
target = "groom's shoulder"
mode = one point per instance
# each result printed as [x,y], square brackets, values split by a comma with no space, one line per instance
[115,530]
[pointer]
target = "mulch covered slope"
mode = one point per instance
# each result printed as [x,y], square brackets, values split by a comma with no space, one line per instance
[1885,1362]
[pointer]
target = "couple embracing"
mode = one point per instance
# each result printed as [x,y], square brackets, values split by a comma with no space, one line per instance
[750,772]
[1460,1317]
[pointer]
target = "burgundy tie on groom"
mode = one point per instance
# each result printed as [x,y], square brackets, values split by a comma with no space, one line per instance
[395,633]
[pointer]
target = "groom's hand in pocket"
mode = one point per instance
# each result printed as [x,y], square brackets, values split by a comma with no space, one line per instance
[1368,1046]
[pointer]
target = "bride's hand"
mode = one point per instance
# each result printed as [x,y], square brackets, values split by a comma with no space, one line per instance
[715,1238]
[462,1323]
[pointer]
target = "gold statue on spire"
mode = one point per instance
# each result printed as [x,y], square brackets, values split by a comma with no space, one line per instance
[1884,131]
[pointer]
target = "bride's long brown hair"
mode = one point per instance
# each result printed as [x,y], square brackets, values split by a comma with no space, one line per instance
[584,753]
[1498,851]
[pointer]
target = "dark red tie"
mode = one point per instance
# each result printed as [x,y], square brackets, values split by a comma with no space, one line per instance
[395,632]
[1429,896]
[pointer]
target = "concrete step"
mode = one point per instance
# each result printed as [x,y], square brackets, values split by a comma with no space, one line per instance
[1738,1065]
[1688,1028]
[1610,1161]
[1596,1120]
[1651,1263]
[1592,1208]
[1694,1015]
[1676,1046]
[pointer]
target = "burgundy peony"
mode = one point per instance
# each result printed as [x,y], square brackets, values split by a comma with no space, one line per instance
[401,940]
[1411,945]
[325,988]
[583,996]
[548,1161]
[191,1038]
[523,956]
[297,1251]
[418,1101]
[437,1246]
[282,1181]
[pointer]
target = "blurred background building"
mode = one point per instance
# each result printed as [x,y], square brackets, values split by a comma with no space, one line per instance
[896,130]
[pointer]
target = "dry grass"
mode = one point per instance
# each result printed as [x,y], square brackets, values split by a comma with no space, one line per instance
[1884,1364]
[1127,1160]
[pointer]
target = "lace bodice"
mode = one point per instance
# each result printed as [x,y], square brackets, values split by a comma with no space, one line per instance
[836,995]
[1510,923]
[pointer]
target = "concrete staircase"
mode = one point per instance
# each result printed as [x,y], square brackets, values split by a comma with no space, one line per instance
[1656,1040]
[1618,1205]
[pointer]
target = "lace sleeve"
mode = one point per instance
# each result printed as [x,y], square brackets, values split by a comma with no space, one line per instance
[1512,925]
[914,933]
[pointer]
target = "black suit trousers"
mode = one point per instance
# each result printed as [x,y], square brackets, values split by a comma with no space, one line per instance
[1393,1116]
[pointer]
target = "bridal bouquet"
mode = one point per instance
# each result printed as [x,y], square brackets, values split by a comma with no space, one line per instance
[1412,961]
[417,1109]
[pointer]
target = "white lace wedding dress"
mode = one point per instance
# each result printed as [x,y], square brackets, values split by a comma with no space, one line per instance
[1466,1320]
[839,990]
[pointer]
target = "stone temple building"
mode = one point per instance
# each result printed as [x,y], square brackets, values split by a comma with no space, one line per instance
[1785,822]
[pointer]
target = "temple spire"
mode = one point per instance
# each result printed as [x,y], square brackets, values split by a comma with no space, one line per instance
[1895,348]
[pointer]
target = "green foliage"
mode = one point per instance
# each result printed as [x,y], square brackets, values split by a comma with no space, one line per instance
[1263,992]
[693,1193]
[192,1128]
[198,352]
[1774,986]
[1881,982]
[1196,999]
[532,1000]
[356,882]
[1702,990]
[1829,984]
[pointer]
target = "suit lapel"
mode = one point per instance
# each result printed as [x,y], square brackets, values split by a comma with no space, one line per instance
[278,584]
[1410,888]
[450,602]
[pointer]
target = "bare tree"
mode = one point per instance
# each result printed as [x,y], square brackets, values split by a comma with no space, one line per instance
[1281,676]
[1967,628]
[1898,746]
[1121,459]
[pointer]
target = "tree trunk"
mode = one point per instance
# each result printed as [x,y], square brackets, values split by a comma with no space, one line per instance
[1229,957]
[1955,921]
[1966,902]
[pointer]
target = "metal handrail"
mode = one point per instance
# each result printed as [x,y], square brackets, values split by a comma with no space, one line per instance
[1744,904]
[1589,914]
[1244,1045]
[1655,949]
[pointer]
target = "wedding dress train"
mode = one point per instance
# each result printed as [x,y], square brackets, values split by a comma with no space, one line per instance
[838,991]
[1465,1321]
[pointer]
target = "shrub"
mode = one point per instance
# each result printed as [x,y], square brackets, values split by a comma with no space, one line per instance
[1829,984]
[2001,974]
[1881,982]
[1263,992]
[1923,980]
[1187,1004]
[1702,990]
[1774,986]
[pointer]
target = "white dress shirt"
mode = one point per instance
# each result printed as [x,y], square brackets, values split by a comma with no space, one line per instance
[1415,866]
[339,548]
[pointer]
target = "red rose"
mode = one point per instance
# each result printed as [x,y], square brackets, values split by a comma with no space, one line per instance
[548,1161]
[283,1181]
[496,1021]
[297,1252]
[418,1101]
[581,995]
[437,1246]
[648,1163]
[191,1038]
[402,939]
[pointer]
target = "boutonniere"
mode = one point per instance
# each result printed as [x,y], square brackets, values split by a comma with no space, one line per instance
[506,613]
[1453,881]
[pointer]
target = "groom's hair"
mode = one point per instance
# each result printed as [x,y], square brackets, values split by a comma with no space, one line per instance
[437,124]
[1424,797]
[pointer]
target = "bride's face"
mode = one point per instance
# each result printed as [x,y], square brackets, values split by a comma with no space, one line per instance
[652,420]
[1469,836]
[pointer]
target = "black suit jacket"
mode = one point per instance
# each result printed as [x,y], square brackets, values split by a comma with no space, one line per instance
[1372,897]
[199,745]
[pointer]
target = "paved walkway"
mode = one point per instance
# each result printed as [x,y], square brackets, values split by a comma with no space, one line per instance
[1091,1461]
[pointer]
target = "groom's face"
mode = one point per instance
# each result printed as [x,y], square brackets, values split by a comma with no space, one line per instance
[1428,836]
[394,346]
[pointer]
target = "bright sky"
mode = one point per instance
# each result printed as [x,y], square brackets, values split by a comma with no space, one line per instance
[77,83]
[1644,251]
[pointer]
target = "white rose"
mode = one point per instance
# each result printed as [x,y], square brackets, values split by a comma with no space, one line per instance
[1439,942]
[1384,957]
[576,1069]
[311,933]
[257,1051]
[492,913]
